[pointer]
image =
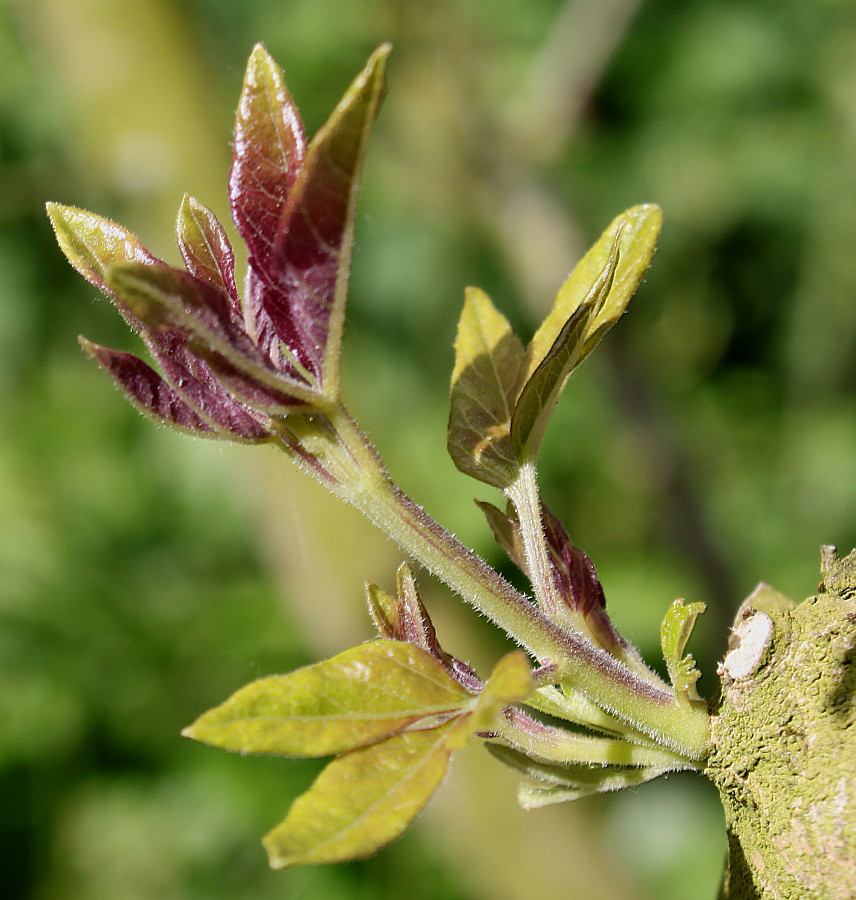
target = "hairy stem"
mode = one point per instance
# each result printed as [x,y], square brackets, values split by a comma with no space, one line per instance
[339,446]
[524,494]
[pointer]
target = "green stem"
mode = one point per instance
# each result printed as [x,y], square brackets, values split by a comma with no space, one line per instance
[523,493]
[347,463]
[558,746]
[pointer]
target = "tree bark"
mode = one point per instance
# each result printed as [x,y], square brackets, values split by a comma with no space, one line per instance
[784,743]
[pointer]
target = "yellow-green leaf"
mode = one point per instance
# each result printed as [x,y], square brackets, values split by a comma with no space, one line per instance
[675,629]
[510,682]
[92,244]
[542,389]
[583,781]
[360,696]
[365,799]
[640,228]
[489,360]
[551,783]
[205,247]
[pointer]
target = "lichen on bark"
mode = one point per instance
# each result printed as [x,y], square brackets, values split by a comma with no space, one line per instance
[783,743]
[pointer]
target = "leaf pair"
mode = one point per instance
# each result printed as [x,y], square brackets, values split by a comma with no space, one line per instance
[577,586]
[393,714]
[504,394]
[548,784]
[562,765]
[229,368]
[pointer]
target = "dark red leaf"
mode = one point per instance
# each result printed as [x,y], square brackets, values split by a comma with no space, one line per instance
[268,155]
[147,390]
[189,407]
[296,215]
[173,300]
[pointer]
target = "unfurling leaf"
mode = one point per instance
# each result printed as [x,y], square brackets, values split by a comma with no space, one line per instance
[549,373]
[502,395]
[270,147]
[228,368]
[574,576]
[510,682]
[356,698]
[294,206]
[172,300]
[551,783]
[489,361]
[639,229]
[205,248]
[148,391]
[189,397]
[404,618]
[92,244]
[675,629]
[365,799]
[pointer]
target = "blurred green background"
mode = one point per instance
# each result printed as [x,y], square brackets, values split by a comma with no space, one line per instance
[706,446]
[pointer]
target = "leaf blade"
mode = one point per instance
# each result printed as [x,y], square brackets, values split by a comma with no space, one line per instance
[548,376]
[489,360]
[269,151]
[356,698]
[640,229]
[510,682]
[147,391]
[675,630]
[172,300]
[365,799]
[92,243]
[205,248]
[302,284]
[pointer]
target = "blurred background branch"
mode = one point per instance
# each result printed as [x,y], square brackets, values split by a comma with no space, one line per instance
[143,577]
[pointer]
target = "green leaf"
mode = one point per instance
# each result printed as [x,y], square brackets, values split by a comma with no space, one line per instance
[583,781]
[675,630]
[559,784]
[92,244]
[572,706]
[489,360]
[639,229]
[365,799]
[544,386]
[205,247]
[510,682]
[502,395]
[356,698]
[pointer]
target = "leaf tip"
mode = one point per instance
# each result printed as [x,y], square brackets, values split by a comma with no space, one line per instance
[276,859]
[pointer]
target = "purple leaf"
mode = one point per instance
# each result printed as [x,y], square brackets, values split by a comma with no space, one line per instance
[573,572]
[268,155]
[299,263]
[269,151]
[165,298]
[576,581]
[506,531]
[147,390]
[192,407]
